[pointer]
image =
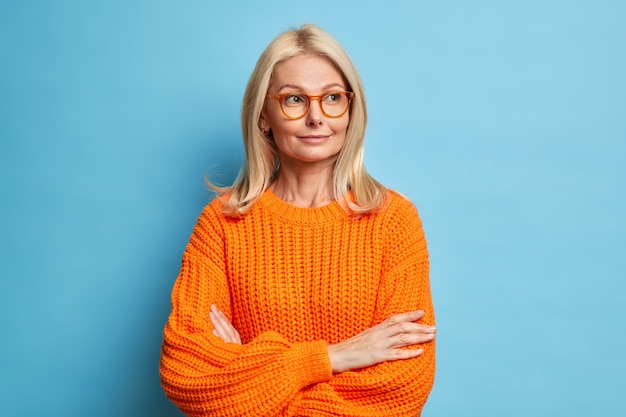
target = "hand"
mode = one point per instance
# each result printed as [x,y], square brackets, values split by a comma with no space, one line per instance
[382,343]
[222,327]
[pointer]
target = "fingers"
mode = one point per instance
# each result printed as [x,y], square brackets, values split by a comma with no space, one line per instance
[222,326]
[410,339]
[401,330]
[399,354]
[410,328]
[406,322]
[219,327]
[381,343]
[405,317]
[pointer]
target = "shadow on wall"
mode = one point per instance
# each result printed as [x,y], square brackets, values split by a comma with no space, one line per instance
[219,159]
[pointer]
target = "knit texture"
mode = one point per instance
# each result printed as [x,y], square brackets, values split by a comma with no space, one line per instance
[293,280]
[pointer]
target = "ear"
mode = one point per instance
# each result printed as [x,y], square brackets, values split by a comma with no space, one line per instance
[263,123]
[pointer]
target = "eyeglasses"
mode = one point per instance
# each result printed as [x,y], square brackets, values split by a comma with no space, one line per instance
[295,106]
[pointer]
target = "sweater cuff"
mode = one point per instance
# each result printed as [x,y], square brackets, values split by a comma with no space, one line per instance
[309,362]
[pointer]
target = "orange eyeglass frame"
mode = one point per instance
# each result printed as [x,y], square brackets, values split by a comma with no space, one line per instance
[349,95]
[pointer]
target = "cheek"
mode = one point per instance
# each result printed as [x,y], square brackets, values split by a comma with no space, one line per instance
[341,126]
[277,123]
[282,126]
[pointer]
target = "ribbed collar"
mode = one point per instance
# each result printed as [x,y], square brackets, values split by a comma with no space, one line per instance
[293,214]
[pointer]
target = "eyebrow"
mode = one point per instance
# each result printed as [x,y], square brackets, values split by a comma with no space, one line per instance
[298,88]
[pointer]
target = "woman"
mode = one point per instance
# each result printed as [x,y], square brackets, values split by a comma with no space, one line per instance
[304,288]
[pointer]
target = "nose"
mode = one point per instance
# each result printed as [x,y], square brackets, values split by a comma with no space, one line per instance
[314,115]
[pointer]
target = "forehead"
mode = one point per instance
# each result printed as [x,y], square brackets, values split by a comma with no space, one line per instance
[307,72]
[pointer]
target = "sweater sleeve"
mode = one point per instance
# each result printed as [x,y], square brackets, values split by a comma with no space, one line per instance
[398,388]
[203,375]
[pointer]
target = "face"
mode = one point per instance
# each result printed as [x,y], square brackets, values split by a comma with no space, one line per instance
[314,138]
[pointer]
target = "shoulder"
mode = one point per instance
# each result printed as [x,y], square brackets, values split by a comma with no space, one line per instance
[403,231]
[215,215]
[212,217]
[400,216]
[211,212]
[399,200]
[215,206]
[400,205]
[217,209]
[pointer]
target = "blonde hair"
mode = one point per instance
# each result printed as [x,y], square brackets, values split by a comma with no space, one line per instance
[354,188]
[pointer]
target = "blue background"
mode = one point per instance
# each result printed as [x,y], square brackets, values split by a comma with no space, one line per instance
[504,121]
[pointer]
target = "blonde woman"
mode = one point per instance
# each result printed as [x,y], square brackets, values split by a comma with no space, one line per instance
[304,289]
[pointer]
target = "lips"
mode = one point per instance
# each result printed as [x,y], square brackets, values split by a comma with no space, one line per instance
[314,138]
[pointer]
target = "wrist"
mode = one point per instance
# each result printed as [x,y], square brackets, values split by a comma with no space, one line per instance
[336,359]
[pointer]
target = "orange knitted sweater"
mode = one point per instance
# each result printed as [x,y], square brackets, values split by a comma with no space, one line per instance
[292,281]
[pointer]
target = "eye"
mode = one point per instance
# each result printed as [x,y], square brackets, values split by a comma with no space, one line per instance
[294,100]
[332,97]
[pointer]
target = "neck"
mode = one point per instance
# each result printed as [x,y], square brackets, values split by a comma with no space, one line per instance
[307,188]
